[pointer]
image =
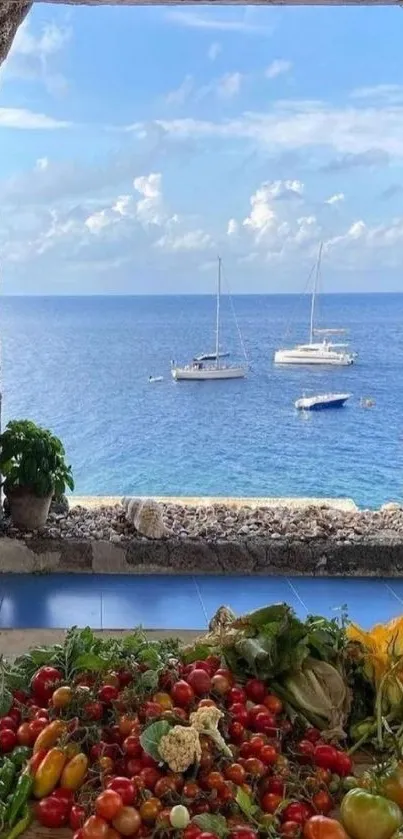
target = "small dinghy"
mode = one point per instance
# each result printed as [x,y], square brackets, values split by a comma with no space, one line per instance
[153,379]
[323,400]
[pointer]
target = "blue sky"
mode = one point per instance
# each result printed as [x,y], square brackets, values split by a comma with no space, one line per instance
[137,143]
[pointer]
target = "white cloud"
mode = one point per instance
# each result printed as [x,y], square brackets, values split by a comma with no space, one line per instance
[23,119]
[273,229]
[197,20]
[229,85]
[262,217]
[278,67]
[335,199]
[32,56]
[390,93]
[182,93]
[150,207]
[193,240]
[298,125]
[214,50]
[97,221]
[284,189]
[41,164]
[233,227]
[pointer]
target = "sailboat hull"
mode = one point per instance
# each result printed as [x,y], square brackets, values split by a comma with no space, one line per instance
[207,374]
[324,358]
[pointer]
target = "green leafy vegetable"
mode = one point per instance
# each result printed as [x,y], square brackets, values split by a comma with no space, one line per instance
[151,737]
[212,824]
[246,803]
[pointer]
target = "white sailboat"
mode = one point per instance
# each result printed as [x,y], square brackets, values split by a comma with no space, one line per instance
[324,352]
[198,370]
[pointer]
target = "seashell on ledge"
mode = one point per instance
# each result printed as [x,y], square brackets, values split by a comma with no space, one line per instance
[145,515]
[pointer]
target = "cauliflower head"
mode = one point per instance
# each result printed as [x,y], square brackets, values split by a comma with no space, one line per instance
[180,748]
[205,718]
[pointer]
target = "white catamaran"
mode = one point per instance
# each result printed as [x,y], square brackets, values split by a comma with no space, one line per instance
[198,370]
[323,352]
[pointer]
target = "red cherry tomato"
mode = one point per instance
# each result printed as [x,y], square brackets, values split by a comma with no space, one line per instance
[305,751]
[239,713]
[95,828]
[108,804]
[268,755]
[255,690]
[125,788]
[326,757]
[65,795]
[273,704]
[35,728]
[271,802]
[182,694]
[77,817]
[52,812]
[44,682]
[200,682]
[8,723]
[298,812]
[322,802]
[132,746]
[265,723]
[312,734]
[343,765]
[236,694]
[150,776]
[236,732]
[108,694]
[8,740]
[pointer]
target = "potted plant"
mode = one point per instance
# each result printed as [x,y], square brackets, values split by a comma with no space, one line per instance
[32,462]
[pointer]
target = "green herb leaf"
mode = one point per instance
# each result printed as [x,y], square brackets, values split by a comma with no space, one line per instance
[148,681]
[6,701]
[151,737]
[246,803]
[198,652]
[212,824]
[91,661]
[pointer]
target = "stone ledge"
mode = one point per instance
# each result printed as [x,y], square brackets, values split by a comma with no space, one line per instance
[380,555]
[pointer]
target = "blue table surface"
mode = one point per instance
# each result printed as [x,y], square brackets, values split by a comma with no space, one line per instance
[123,602]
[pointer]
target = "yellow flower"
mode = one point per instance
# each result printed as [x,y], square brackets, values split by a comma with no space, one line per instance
[382,651]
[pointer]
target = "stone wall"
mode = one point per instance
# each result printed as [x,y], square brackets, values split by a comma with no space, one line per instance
[382,555]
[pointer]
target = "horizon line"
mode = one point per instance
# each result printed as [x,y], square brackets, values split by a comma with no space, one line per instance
[205,294]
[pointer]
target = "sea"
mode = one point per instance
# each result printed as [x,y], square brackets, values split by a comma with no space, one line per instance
[80,366]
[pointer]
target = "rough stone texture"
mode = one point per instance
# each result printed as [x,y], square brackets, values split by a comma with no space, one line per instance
[12,13]
[382,555]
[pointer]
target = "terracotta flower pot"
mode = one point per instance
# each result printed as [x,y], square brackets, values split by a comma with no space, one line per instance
[27,511]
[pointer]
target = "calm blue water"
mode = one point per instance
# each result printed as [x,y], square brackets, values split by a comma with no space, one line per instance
[80,366]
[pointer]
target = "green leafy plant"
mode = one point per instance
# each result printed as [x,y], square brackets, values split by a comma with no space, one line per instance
[33,458]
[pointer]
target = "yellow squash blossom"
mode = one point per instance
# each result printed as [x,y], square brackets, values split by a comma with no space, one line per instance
[382,652]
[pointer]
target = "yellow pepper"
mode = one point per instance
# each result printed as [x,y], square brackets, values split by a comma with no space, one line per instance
[49,773]
[74,772]
[50,735]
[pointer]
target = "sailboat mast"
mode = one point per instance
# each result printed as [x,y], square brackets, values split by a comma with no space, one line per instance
[217,331]
[315,288]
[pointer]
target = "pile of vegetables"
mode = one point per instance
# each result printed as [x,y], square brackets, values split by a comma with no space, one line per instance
[236,737]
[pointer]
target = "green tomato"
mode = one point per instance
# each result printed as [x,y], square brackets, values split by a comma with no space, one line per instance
[179,817]
[367,816]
